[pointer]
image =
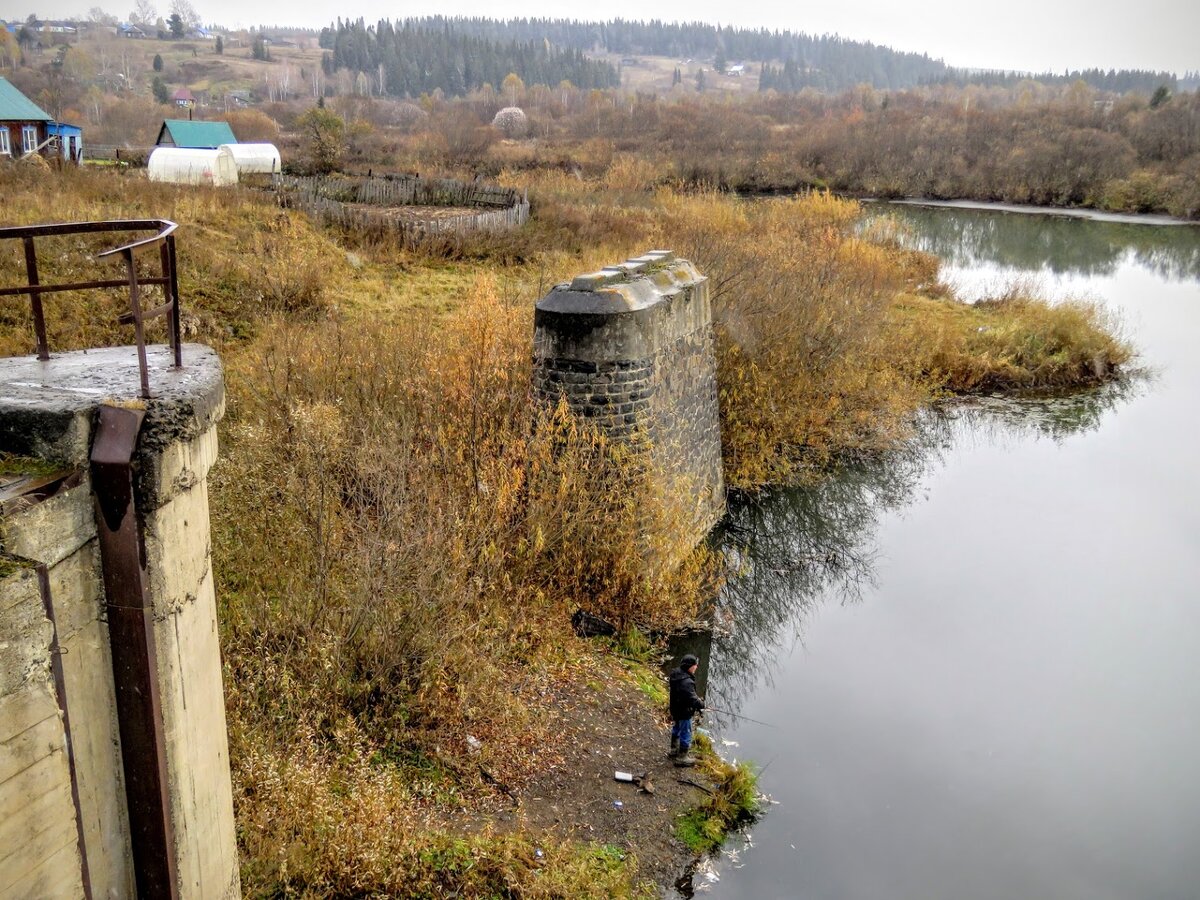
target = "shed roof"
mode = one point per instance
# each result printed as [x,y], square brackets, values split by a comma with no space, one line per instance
[197,135]
[16,107]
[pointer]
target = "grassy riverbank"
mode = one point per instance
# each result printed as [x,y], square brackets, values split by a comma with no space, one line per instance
[400,536]
[731,801]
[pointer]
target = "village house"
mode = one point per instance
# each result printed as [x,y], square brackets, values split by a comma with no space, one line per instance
[24,126]
[194,135]
[184,98]
[27,128]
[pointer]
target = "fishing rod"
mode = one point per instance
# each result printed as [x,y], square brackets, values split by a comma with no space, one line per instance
[726,712]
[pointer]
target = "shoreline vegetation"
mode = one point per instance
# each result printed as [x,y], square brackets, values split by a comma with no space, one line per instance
[401,535]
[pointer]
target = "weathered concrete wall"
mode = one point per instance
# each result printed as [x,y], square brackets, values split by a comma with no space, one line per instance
[39,848]
[631,348]
[59,532]
[48,412]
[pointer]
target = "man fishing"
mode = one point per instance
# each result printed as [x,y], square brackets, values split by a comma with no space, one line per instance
[684,705]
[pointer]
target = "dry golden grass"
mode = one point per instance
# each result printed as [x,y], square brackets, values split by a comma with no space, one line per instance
[1011,343]
[401,534]
[239,257]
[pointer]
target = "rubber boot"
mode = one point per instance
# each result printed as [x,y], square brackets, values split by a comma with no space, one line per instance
[684,758]
[674,751]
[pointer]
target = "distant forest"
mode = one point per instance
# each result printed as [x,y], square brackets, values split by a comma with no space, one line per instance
[411,58]
[458,55]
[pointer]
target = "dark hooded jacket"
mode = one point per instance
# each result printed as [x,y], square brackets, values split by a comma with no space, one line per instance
[684,702]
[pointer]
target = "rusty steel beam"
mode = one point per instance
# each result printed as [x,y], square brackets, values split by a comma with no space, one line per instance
[171,270]
[134,656]
[35,299]
[60,228]
[78,286]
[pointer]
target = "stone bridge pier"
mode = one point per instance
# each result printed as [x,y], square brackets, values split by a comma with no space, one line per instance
[631,349]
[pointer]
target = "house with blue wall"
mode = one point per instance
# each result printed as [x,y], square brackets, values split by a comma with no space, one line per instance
[27,128]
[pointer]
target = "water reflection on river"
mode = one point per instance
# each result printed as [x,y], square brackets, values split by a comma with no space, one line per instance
[982,653]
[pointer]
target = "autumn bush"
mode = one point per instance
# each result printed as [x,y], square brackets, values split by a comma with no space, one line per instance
[252,126]
[801,307]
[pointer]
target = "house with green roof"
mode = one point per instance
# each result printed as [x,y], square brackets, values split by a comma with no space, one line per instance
[194,135]
[24,126]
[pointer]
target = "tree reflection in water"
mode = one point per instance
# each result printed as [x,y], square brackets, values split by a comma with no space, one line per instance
[1031,243]
[796,548]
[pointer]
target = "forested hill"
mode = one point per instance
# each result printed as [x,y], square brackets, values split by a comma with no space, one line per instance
[460,54]
[830,62]
[411,58]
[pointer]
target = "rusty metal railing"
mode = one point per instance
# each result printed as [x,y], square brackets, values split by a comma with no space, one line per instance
[167,279]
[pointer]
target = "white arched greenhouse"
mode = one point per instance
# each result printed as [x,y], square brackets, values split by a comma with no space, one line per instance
[180,165]
[255,159]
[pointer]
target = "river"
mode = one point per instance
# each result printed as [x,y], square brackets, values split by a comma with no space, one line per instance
[980,655]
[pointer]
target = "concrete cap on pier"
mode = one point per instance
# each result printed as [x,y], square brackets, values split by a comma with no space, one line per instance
[47,408]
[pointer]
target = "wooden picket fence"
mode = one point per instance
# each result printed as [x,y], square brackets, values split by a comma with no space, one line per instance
[363,202]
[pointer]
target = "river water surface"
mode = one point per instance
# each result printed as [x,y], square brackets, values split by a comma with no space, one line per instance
[981,655]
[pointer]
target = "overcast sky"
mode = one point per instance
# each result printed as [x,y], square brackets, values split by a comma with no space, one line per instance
[1035,35]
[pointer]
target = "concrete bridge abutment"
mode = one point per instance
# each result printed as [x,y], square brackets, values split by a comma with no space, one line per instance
[114,761]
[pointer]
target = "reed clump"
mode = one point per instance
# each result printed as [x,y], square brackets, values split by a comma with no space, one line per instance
[1011,343]
[801,305]
[831,336]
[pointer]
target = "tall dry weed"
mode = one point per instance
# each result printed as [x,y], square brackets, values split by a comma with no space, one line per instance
[1015,341]
[801,307]
[394,497]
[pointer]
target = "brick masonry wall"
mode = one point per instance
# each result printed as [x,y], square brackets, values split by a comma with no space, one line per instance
[631,350]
